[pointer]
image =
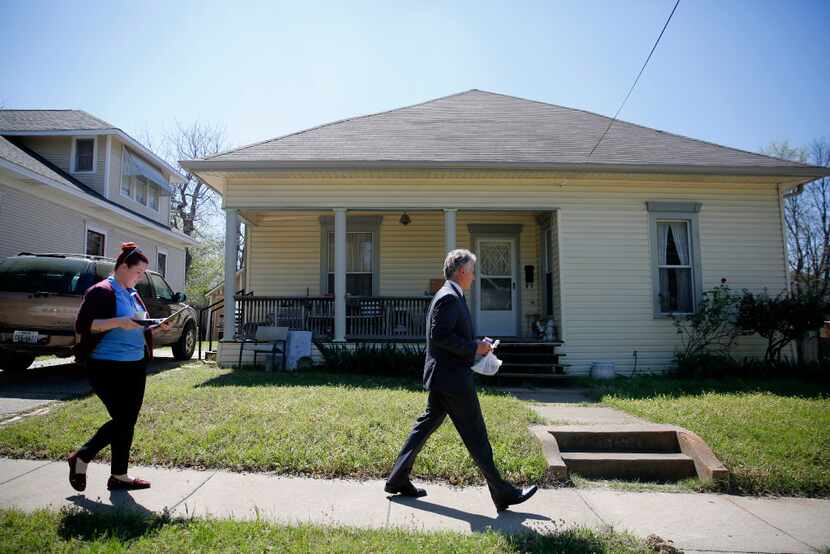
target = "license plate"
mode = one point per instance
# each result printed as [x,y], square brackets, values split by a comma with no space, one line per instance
[26,336]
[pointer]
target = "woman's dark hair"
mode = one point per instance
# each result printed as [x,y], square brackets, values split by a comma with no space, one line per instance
[131,255]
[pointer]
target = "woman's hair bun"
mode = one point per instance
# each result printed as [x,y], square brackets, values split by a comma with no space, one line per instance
[127,246]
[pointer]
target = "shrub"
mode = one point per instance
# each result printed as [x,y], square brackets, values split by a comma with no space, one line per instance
[405,360]
[711,330]
[780,319]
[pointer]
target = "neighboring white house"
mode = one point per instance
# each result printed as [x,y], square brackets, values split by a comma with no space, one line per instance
[72,183]
[348,224]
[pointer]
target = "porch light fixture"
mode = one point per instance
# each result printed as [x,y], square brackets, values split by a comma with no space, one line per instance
[405,219]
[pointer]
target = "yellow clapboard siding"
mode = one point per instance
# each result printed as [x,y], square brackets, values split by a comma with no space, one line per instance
[603,251]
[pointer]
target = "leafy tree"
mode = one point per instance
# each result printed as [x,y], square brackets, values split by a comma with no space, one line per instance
[807,219]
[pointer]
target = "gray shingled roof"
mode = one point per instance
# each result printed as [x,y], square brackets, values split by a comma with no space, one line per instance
[479,126]
[50,120]
[15,155]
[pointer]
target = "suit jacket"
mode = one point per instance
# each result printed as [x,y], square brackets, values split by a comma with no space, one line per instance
[450,348]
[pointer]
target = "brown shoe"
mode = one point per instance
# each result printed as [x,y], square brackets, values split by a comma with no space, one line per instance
[77,480]
[129,485]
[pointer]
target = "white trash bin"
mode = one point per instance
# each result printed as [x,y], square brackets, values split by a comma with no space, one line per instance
[299,346]
[603,370]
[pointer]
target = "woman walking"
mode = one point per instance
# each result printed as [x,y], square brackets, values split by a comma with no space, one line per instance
[115,350]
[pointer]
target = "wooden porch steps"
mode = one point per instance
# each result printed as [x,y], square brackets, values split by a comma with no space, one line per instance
[528,360]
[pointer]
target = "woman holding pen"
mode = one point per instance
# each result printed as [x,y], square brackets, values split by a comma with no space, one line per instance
[115,350]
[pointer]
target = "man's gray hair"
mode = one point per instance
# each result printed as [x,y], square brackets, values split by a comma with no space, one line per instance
[456,259]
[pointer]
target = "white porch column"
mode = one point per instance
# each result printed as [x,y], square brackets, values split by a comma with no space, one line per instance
[231,248]
[339,275]
[449,229]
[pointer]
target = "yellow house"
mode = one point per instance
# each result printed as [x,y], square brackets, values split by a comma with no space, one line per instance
[586,247]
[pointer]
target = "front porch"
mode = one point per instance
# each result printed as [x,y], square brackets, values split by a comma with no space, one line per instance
[369,275]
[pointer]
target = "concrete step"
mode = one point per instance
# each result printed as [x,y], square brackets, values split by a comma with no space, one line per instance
[655,439]
[645,466]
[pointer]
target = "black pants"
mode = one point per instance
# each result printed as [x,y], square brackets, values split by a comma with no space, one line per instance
[120,386]
[465,413]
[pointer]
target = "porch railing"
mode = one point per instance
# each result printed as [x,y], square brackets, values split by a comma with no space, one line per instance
[377,317]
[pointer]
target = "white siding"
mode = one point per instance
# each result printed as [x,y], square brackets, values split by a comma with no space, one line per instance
[58,150]
[603,243]
[32,224]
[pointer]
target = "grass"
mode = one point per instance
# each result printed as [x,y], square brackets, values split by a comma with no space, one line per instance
[74,531]
[773,436]
[311,424]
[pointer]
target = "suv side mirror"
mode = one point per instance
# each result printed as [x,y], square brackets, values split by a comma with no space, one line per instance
[180,297]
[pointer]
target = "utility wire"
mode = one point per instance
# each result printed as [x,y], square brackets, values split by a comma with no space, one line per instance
[635,80]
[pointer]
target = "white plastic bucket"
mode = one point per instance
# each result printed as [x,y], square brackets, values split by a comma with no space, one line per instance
[603,370]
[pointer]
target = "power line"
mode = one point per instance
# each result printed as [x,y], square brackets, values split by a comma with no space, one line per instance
[635,80]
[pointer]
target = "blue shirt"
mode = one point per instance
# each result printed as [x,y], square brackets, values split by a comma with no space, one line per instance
[122,345]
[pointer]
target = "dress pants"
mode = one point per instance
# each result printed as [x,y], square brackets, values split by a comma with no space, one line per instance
[120,386]
[465,413]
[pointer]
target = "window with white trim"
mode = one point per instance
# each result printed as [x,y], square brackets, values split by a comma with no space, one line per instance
[674,265]
[359,263]
[95,243]
[84,161]
[675,252]
[141,190]
[153,197]
[161,263]
[138,187]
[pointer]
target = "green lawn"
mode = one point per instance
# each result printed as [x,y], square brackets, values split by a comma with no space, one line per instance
[312,424]
[74,531]
[773,436]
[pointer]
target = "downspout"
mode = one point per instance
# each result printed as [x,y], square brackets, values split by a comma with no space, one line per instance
[782,196]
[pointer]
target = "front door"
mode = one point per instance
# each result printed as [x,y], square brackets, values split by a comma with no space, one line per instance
[496,295]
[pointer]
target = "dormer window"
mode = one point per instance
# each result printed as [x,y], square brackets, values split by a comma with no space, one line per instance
[83,158]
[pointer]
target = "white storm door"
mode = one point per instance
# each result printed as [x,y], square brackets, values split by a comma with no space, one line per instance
[496,295]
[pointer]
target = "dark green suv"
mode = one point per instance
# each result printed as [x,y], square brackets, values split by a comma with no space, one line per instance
[40,295]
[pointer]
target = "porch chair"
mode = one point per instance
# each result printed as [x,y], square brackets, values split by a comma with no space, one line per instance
[267,340]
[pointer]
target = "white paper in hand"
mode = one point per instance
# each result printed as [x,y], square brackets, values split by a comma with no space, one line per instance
[487,365]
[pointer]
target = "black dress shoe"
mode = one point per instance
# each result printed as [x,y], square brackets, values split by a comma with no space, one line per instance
[519,497]
[76,479]
[407,489]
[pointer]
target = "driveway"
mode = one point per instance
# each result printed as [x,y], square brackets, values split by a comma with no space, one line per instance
[52,380]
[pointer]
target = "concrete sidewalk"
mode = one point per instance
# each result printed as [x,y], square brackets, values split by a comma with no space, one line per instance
[695,522]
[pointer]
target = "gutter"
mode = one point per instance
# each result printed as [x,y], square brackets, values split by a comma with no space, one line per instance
[683,169]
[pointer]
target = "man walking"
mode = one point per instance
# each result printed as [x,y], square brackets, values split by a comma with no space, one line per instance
[450,351]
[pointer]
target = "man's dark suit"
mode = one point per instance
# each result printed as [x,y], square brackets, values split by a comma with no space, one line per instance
[450,351]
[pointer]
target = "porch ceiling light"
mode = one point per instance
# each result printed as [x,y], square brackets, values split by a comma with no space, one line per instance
[405,219]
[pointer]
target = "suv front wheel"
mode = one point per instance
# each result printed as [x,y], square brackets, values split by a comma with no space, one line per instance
[15,361]
[184,347]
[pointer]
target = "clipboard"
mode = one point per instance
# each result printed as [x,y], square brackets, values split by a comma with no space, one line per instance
[159,321]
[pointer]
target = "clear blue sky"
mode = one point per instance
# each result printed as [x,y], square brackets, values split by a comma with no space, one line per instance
[739,73]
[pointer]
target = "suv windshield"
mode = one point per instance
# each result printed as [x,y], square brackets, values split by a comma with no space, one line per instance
[54,275]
